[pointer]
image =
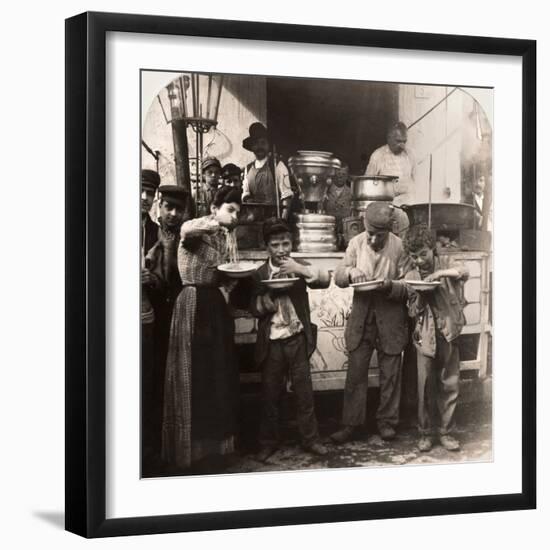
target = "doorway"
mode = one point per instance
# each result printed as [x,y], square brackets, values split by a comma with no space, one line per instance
[348,118]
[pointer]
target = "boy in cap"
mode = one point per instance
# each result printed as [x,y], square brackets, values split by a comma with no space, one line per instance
[264,178]
[378,320]
[338,199]
[231,175]
[211,171]
[150,181]
[161,260]
[150,282]
[439,320]
[286,338]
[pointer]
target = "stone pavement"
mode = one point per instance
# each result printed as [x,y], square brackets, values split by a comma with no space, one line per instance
[473,430]
[372,451]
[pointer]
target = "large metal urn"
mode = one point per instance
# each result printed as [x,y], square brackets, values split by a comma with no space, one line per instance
[313,172]
[316,233]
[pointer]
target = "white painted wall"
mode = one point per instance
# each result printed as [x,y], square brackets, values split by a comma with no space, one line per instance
[445,133]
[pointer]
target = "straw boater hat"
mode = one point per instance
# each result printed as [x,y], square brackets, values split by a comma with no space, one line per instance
[257,130]
[150,180]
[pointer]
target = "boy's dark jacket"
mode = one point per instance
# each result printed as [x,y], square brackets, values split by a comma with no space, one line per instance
[299,298]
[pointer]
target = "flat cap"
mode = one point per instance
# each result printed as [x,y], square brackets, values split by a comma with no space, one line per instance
[210,161]
[379,216]
[230,169]
[150,179]
[173,193]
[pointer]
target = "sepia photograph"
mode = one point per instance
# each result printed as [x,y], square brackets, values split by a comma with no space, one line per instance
[316,273]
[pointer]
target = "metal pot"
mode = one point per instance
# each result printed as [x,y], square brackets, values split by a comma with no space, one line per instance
[316,236]
[373,188]
[316,247]
[444,215]
[315,218]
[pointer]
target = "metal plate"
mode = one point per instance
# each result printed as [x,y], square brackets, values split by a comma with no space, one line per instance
[367,285]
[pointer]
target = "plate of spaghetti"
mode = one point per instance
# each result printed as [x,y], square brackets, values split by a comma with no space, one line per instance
[237,270]
[279,284]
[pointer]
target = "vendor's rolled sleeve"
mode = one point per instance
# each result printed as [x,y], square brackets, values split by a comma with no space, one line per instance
[283,181]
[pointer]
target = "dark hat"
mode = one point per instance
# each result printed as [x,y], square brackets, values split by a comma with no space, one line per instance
[230,170]
[210,161]
[173,193]
[257,130]
[274,226]
[379,216]
[150,180]
[226,194]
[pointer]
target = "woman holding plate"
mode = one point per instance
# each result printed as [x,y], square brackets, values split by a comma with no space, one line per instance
[202,379]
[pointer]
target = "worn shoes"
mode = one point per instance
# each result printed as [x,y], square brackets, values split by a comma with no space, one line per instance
[343,435]
[449,442]
[316,448]
[265,453]
[425,444]
[387,433]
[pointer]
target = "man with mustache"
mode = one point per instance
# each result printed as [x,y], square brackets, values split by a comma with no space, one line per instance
[262,183]
[396,159]
[378,320]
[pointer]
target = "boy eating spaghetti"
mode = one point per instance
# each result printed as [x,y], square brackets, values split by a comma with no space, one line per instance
[439,321]
[286,338]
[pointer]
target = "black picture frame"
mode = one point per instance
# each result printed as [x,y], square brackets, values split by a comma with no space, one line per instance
[86,284]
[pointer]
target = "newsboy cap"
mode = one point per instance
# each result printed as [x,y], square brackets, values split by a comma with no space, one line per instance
[150,179]
[210,161]
[230,169]
[173,193]
[379,216]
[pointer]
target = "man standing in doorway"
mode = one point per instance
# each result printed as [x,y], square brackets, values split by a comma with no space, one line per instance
[396,159]
[261,176]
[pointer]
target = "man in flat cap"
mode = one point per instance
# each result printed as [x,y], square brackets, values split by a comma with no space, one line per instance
[150,181]
[211,171]
[261,175]
[378,320]
[232,176]
[175,207]
[150,283]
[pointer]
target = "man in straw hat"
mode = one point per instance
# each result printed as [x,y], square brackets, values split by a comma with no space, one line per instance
[378,320]
[259,181]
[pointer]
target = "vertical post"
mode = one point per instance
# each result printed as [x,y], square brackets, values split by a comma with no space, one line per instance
[277,200]
[181,153]
[430,195]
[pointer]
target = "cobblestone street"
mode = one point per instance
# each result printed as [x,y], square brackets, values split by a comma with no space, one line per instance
[473,430]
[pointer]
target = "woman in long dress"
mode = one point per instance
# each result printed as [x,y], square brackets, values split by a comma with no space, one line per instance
[202,379]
